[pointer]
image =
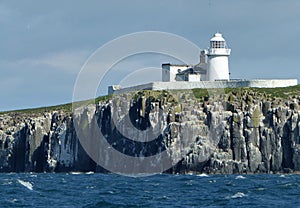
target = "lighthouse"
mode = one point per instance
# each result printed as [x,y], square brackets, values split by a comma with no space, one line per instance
[217,59]
[211,72]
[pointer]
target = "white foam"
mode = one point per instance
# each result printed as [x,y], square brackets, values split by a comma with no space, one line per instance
[7,183]
[12,200]
[90,172]
[26,184]
[238,195]
[240,177]
[282,176]
[203,175]
[76,173]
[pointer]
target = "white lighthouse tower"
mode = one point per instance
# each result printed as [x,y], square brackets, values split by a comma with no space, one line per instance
[217,63]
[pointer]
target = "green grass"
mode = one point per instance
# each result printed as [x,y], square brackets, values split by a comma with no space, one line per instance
[270,93]
[200,93]
[64,107]
[280,92]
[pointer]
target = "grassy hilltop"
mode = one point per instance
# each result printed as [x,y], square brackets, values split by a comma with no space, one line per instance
[199,94]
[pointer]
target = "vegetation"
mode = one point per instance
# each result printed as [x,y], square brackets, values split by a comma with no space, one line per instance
[280,92]
[64,107]
[174,96]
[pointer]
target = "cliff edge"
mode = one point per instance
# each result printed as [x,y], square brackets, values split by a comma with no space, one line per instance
[241,130]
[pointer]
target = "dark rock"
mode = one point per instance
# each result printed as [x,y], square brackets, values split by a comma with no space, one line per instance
[240,133]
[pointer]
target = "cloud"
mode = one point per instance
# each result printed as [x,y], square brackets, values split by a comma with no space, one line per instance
[67,61]
[44,44]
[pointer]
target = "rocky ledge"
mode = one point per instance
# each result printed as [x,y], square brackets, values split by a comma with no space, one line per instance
[236,131]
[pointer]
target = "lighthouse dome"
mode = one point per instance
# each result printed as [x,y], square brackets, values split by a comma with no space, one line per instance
[217,37]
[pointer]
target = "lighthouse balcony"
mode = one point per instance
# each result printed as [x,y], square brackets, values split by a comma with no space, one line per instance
[218,51]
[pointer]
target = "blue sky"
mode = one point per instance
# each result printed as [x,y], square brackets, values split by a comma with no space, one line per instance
[45,43]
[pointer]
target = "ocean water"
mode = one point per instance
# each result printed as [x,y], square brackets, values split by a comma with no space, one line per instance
[110,190]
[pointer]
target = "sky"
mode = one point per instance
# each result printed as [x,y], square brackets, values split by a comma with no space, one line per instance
[44,44]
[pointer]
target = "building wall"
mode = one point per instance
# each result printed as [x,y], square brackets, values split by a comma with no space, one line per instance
[113,88]
[194,77]
[169,71]
[218,68]
[165,72]
[203,77]
[272,83]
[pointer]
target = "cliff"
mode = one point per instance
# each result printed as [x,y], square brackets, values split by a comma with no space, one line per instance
[242,130]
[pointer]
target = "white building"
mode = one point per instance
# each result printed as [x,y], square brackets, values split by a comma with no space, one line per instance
[215,68]
[211,72]
[194,73]
[169,71]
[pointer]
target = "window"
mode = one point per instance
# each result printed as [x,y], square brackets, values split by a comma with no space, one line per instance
[212,44]
[222,44]
[217,44]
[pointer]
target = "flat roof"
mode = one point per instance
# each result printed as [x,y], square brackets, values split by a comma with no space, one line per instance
[177,64]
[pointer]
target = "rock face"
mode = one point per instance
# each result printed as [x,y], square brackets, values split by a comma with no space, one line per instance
[231,133]
[43,142]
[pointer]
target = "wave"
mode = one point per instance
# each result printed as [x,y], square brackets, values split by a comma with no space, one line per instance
[238,195]
[90,172]
[79,173]
[6,183]
[203,175]
[76,173]
[26,184]
[240,177]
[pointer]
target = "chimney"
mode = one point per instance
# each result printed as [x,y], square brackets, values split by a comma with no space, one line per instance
[202,57]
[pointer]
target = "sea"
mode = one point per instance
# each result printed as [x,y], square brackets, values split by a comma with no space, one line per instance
[163,190]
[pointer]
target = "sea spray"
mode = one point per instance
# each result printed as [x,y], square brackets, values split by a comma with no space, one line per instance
[28,185]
